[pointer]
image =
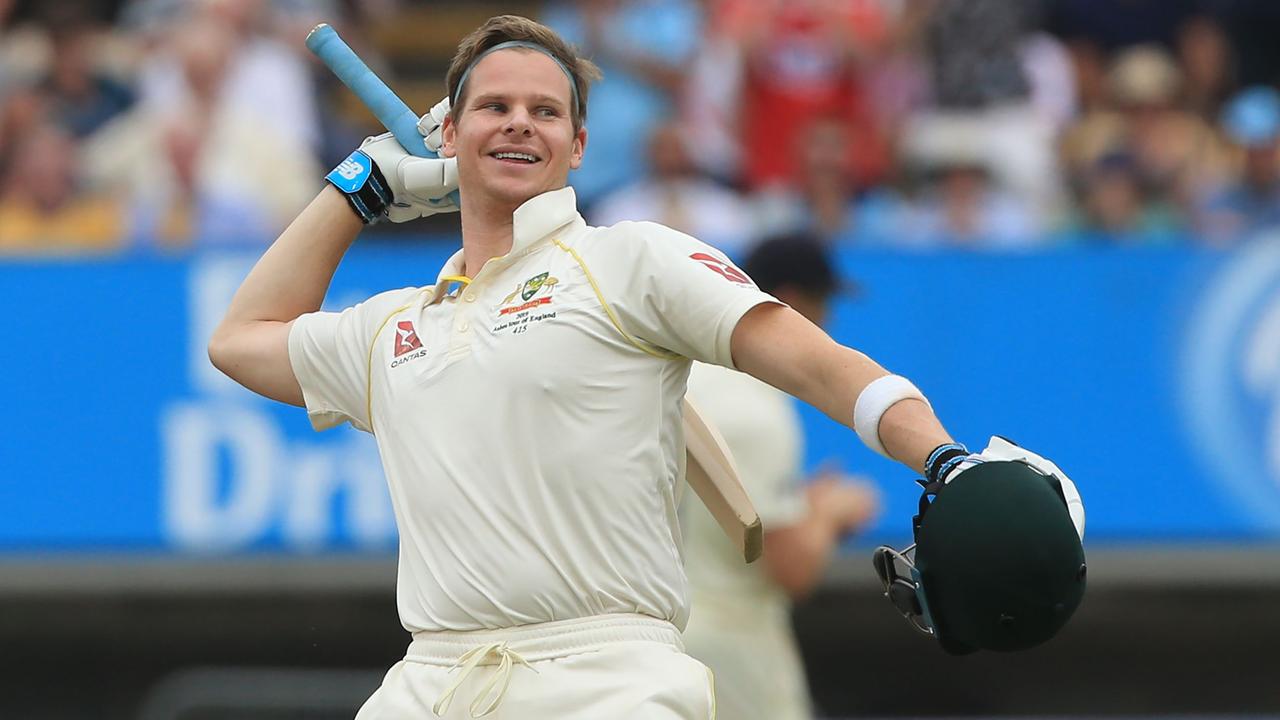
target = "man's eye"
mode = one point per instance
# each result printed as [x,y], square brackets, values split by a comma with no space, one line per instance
[548,112]
[497,107]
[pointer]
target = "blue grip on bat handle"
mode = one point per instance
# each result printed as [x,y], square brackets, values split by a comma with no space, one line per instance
[390,110]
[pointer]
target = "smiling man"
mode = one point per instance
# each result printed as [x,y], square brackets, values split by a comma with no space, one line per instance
[527,404]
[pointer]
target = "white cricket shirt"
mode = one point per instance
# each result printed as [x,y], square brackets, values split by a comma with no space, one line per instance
[529,423]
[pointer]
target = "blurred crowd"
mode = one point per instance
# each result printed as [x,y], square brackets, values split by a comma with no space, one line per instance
[172,124]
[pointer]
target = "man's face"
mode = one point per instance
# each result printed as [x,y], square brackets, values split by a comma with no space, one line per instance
[514,136]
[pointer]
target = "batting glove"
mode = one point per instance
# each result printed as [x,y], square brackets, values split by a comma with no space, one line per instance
[431,125]
[382,180]
[947,462]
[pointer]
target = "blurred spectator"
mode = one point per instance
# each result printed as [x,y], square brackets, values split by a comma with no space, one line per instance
[982,89]
[265,79]
[799,63]
[1175,150]
[644,48]
[83,97]
[828,203]
[1115,208]
[1251,27]
[961,207]
[708,103]
[1251,202]
[203,168]
[678,197]
[1089,67]
[896,79]
[1207,65]
[22,111]
[24,50]
[1047,64]
[41,206]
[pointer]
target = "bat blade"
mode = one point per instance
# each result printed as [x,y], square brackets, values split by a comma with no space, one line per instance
[711,473]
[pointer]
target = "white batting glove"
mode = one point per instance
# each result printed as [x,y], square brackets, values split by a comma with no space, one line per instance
[949,461]
[431,125]
[419,186]
[1000,449]
[382,180]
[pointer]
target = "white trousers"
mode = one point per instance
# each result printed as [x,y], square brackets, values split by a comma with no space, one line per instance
[609,667]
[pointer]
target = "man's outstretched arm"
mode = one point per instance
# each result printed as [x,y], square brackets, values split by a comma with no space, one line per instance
[251,344]
[779,346]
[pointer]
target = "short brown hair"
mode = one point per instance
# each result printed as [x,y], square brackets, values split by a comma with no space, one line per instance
[505,28]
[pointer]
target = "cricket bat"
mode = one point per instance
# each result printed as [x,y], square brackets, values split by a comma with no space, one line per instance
[709,466]
[325,43]
[710,471]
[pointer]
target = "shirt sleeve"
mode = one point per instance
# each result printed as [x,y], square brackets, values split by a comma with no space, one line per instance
[330,351]
[677,293]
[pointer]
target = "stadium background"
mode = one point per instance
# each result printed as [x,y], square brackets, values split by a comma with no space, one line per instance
[1060,218]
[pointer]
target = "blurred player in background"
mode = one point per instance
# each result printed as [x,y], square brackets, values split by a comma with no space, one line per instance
[527,405]
[740,625]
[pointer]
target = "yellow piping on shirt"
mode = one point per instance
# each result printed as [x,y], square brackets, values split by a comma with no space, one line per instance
[608,310]
[368,388]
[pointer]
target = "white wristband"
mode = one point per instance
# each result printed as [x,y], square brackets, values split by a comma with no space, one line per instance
[876,398]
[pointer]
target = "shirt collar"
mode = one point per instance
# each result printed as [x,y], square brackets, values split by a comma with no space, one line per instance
[534,221]
[542,215]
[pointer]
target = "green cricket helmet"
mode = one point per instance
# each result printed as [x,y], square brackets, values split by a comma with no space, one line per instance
[998,563]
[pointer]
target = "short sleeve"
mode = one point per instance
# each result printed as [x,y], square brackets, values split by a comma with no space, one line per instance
[329,352]
[676,292]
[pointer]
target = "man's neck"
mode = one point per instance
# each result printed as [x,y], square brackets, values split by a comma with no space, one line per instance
[488,231]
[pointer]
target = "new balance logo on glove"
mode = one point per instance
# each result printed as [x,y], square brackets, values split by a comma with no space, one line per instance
[352,173]
[350,169]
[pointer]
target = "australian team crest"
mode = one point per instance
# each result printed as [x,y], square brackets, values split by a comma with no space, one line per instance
[532,292]
[534,284]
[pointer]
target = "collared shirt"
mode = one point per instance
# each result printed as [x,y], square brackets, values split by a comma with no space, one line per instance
[529,422]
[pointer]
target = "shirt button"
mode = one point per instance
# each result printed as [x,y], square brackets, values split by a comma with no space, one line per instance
[469,297]
[464,326]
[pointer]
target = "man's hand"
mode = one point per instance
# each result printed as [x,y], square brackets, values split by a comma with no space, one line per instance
[948,464]
[848,503]
[382,179]
[419,186]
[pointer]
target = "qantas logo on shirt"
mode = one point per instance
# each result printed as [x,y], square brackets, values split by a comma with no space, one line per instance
[725,270]
[406,338]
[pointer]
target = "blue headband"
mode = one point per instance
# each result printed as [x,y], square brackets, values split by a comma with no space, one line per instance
[573,86]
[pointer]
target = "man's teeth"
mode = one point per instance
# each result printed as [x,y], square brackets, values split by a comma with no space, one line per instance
[515,156]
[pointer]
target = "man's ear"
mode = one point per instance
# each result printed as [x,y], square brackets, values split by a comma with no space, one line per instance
[448,133]
[579,148]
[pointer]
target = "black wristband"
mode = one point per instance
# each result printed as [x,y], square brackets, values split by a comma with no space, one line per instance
[942,459]
[364,185]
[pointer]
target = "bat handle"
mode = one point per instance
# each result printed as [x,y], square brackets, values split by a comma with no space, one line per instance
[390,110]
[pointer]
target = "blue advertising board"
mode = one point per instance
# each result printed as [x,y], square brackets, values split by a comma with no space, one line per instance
[1152,376]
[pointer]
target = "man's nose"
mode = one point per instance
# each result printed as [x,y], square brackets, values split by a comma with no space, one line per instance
[519,122]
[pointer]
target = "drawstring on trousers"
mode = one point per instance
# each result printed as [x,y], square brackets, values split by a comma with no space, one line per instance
[507,659]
